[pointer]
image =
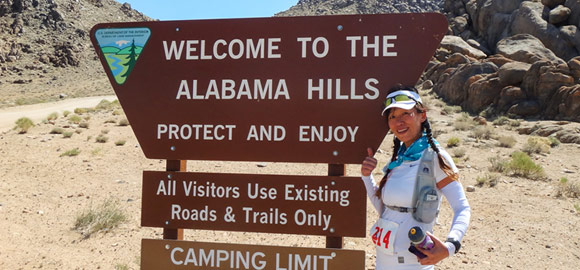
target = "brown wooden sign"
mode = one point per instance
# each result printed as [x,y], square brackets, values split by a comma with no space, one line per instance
[171,254]
[310,205]
[292,89]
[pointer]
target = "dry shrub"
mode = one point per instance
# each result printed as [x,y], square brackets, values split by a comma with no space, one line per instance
[23,124]
[57,130]
[71,153]
[537,145]
[491,179]
[482,133]
[102,138]
[75,119]
[53,116]
[464,122]
[124,122]
[104,218]
[506,141]
[567,189]
[458,152]
[502,120]
[497,164]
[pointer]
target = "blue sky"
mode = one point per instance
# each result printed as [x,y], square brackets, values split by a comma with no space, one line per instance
[209,9]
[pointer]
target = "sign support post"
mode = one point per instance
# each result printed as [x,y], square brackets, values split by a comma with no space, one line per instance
[335,170]
[174,166]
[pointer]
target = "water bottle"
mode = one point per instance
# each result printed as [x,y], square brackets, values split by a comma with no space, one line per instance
[419,239]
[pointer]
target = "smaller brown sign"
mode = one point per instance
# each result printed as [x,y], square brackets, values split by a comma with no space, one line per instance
[173,254]
[311,205]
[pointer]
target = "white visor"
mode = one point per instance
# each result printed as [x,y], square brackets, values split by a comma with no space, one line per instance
[406,104]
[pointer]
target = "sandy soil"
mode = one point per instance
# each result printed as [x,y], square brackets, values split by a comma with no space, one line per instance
[518,224]
[37,112]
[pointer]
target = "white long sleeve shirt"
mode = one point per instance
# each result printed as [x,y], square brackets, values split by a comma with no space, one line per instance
[398,191]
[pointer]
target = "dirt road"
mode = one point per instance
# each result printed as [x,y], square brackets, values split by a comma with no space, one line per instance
[37,112]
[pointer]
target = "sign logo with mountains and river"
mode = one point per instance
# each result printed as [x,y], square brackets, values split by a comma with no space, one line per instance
[122,47]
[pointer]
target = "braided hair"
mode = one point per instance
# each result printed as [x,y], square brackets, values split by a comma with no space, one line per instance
[426,127]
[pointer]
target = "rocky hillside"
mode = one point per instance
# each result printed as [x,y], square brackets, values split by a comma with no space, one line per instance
[334,7]
[511,57]
[45,51]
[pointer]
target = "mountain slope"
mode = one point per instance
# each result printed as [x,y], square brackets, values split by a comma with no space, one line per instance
[45,50]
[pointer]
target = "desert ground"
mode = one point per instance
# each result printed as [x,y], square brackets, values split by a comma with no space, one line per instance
[517,224]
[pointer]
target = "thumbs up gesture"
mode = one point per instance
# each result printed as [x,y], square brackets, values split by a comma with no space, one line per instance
[369,164]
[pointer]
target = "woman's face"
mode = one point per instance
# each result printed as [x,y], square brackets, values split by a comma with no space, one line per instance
[406,124]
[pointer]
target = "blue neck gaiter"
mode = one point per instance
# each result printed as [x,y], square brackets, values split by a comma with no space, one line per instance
[413,153]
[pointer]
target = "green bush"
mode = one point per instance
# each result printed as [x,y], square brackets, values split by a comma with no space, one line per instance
[67,134]
[453,141]
[120,142]
[71,153]
[104,217]
[507,141]
[553,141]
[522,165]
[23,124]
[65,113]
[84,125]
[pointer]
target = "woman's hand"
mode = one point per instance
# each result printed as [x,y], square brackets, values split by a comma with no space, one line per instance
[436,254]
[369,164]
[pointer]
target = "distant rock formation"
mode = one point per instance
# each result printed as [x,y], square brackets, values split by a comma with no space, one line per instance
[515,57]
[335,7]
[535,46]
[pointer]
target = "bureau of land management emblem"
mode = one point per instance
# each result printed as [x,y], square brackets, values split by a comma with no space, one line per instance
[121,48]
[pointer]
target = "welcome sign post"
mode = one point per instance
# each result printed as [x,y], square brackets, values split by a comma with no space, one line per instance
[290,89]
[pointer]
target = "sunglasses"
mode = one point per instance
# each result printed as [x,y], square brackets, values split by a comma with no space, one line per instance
[398,98]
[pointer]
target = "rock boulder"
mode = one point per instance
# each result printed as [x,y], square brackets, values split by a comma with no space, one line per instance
[526,48]
[528,20]
[513,73]
[455,44]
[559,14]
[454,88]
[482,93]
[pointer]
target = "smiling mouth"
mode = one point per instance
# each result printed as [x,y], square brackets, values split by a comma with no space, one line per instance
[402,130]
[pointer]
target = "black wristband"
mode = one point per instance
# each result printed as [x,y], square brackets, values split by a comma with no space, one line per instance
[456,243]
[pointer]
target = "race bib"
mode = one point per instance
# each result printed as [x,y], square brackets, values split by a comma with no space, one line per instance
[383,234]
